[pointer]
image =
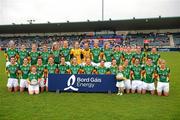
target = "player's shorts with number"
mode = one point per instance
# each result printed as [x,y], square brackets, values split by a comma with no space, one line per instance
[12,82]
[162,86]
[148,86]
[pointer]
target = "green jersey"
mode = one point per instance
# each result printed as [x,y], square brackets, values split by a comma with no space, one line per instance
[45,56]
[163,74]
[40,70]
[74,69]
[11,53]
[56,54]
[66,53]
[113,69]
[117,56]
[108,54]
[127,71]
[96,53]
[34,57]
[101,70]
[137,72]
[62,68]
[32,76]
[128,56]
[154,57]
[51,68]
[149,71]
[22,55]
[25,71]
[88,69]
[140,56]
[12,70]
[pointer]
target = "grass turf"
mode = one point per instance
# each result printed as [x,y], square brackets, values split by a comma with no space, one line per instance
[83,106]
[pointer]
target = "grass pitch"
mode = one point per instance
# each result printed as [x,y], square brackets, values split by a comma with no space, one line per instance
[94,106]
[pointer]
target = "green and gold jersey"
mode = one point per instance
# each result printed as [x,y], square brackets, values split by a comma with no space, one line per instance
[95,54]
[22,55]
[66,53]
[62,68]
[140,56]
[101,70]
[149,71]
[25,69]
[51,68]
[88,69]
[117,56]
[40,70]
[128,56]
[56,54]
[113,69]
[163,74]
[45,56]
[12,70]
[108,54]
[34,56]
[127,71]
[32,76]
[11,53]
[74,69]
[136,72]
[154,57]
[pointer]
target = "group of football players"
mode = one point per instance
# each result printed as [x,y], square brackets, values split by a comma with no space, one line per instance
[134,70]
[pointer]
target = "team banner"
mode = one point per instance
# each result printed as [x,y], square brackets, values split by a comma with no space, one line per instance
[82,82]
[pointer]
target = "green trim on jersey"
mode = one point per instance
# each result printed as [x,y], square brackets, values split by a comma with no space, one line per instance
[51,68]
[11,53]
[66,53]
[25,71]
[62,68]
[45,56]
[101,70]
[96,53]
[113,69]
[74,69]
[12,70]
[56,54]
[88,69]
[108,54]
[149,71]
[22,55]
[34,56]
[163,75]
[137,72]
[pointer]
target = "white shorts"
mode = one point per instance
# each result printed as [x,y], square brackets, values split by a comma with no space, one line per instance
[136,85]
[107,64]
[46,82]
[95,64]
[7,63]
[127,84]
[162,86]
[12,82]
[120,84]
[33,88]
[68,63]
[148,86]
[23,83]
[41,84]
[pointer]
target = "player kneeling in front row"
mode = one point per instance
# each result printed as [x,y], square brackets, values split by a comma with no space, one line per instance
[127,70]
[136,77]
[12,71]
[163,79]
[148,77]
[40,71]
[120,81]
[24,71]
[33,81]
